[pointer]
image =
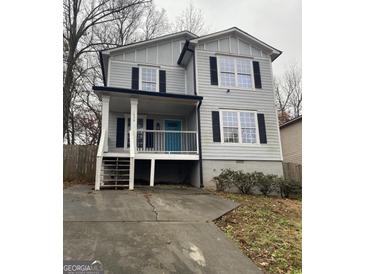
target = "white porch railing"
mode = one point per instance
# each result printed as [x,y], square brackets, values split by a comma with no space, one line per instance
[166,141]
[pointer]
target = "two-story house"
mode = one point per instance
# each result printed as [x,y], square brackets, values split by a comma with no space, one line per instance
[179,108]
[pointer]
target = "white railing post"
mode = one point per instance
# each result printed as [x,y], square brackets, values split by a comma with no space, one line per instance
[197,143]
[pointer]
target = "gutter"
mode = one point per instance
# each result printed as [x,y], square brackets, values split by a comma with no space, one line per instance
[199,128]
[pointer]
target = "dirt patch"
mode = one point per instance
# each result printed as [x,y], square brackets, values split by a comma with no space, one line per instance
[267,229]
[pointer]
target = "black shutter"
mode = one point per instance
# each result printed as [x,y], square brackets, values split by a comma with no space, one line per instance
[163,81]
[216,126]
[149,135]
[213,71]
[120,132]
[135,78]
[256,74]
[262,128]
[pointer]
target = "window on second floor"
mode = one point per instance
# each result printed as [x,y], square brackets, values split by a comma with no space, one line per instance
[235,72]
[149,79]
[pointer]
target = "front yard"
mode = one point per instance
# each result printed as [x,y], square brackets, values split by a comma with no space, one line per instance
[267,229]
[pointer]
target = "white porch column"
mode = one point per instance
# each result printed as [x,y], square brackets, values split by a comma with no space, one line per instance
[133,137]
[105,120]
[98,172]
[152,174]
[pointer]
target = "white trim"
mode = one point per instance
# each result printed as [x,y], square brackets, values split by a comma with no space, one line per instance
[241,55]
[166,156]
[275,113]
[157,156]
[157,77]
[154,40]
[195,66]
[234,29]
[186,81]
[172,51]
[240,143]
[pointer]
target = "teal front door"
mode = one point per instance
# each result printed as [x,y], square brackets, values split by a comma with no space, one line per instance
[172,139]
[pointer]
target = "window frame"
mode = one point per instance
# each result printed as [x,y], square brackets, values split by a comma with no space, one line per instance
[219,57]
[157,77]
[239,127]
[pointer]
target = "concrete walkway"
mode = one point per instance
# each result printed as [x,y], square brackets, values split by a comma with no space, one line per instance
[160,230]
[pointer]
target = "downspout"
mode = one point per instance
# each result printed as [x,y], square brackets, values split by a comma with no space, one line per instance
[199,129]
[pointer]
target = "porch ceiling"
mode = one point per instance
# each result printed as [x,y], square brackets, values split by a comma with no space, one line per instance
[152,104]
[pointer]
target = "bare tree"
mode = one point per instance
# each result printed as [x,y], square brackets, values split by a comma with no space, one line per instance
[155,23]
[81,18]
[191,19]
[288,94]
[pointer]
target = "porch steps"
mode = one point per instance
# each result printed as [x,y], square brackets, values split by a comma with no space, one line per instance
[115,172]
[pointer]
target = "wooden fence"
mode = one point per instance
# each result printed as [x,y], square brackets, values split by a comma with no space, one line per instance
[293,171]
[79,163]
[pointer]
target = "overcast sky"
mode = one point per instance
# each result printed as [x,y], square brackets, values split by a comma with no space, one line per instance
[276,22]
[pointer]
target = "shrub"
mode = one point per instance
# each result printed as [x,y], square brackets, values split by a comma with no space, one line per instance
[288,187]
[224,180]
[243,181]
[267,183]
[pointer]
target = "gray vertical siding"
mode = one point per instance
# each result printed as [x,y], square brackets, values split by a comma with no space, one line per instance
[164,55]
[190,78]
[261,100]
[121,72]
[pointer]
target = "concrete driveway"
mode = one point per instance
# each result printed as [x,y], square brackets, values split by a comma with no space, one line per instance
[150,230]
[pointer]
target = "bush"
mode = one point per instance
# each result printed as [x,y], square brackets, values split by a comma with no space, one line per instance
[242,182]
[224,180]
[267,183]
[289,187]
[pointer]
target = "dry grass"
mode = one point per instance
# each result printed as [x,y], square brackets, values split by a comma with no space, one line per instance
[268,230]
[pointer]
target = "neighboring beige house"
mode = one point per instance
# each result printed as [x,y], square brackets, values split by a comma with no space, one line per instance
[291,140]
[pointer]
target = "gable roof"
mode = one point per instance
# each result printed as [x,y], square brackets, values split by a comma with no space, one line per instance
[292,121]
[153,40]
[275,53]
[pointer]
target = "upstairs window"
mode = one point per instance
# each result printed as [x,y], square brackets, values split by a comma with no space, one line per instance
[149,79]
[235,72]
[227,72]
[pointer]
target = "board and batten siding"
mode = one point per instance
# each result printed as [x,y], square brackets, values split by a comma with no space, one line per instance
[232,45]
[162,55]
[215,98]
[120,75]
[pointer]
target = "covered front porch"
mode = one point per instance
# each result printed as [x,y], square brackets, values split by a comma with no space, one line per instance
[150,127]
